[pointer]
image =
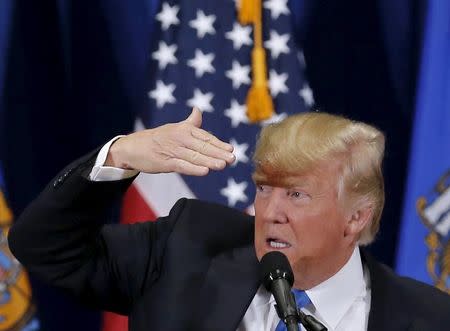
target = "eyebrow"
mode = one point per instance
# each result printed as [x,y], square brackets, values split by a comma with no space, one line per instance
[286,183]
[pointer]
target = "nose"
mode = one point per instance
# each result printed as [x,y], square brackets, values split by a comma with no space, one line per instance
[274,210]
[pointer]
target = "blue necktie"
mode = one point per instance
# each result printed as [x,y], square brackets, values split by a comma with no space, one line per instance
[302,300]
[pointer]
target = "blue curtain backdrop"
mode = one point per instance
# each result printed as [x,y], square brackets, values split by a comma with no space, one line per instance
[425,237]
[71,78]
[6,9]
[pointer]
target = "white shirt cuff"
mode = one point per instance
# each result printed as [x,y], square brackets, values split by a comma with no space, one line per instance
[100,173]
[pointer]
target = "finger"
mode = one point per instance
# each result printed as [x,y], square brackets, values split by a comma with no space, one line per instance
[186,168]
[213,140]
[206,149]
[195,118]
[200,159]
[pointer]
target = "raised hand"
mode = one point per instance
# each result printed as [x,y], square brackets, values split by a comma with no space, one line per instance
[181,147]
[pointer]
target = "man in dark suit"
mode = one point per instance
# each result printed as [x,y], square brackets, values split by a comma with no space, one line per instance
[319,198]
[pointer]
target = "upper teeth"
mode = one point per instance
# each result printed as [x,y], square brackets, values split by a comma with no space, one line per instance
[276,244]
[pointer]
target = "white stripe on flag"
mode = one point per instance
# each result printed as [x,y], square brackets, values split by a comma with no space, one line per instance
[161,191]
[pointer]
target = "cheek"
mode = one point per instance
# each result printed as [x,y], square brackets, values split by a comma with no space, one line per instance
[316,233]
[259,238]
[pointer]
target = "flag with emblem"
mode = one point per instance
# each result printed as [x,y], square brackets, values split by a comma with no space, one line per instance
[17,310]
[424,247]
[204,57]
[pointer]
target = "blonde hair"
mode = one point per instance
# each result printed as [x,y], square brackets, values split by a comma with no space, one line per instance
[299,143]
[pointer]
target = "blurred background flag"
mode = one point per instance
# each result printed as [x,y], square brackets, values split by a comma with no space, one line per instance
[17,310]
[424,247]
[204,60]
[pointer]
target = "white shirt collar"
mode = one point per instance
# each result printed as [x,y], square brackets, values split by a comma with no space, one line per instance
[333,297]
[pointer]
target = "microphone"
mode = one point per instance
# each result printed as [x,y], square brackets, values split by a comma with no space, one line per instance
[278,278]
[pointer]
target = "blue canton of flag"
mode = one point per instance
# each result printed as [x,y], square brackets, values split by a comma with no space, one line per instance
[203,59]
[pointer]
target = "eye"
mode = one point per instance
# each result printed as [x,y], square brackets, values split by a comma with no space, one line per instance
[297,194]
[263,189]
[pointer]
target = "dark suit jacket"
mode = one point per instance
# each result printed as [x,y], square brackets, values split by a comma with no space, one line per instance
[194,269]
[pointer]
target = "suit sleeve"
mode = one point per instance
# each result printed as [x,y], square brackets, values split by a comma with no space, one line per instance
[62,238]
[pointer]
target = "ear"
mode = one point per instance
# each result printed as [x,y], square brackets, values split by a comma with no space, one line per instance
[358,220]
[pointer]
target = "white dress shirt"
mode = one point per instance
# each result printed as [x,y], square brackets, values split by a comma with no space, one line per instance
[341,303]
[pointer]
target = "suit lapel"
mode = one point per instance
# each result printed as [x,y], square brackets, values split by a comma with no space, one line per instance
[230,285]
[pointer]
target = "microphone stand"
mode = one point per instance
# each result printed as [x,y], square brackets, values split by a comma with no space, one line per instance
[309,322]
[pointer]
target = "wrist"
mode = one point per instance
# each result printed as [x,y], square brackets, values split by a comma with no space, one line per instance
[116,156]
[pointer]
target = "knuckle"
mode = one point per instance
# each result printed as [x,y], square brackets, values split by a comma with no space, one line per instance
[178,167]
[177,150]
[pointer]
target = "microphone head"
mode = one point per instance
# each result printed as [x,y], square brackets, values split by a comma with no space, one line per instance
[275,265]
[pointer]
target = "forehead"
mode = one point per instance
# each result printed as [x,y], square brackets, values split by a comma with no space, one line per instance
[323,174]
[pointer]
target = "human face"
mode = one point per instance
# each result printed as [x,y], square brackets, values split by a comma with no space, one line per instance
[306,222]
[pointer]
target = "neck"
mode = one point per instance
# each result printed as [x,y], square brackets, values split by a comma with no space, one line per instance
[312,272]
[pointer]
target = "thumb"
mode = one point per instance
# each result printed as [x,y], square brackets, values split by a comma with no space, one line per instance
[195,118]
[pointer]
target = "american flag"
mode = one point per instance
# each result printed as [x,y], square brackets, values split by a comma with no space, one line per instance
[202,58]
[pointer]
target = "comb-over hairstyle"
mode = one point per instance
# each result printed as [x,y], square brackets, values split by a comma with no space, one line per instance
[301,142]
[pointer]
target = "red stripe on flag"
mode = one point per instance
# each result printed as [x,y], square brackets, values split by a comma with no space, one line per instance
[114,322]
[134,209]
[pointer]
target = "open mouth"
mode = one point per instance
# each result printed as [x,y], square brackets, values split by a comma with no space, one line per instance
[277,243]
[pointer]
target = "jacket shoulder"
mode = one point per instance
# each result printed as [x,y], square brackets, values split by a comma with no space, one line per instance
[398,295]
[212,225]
[424,297]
